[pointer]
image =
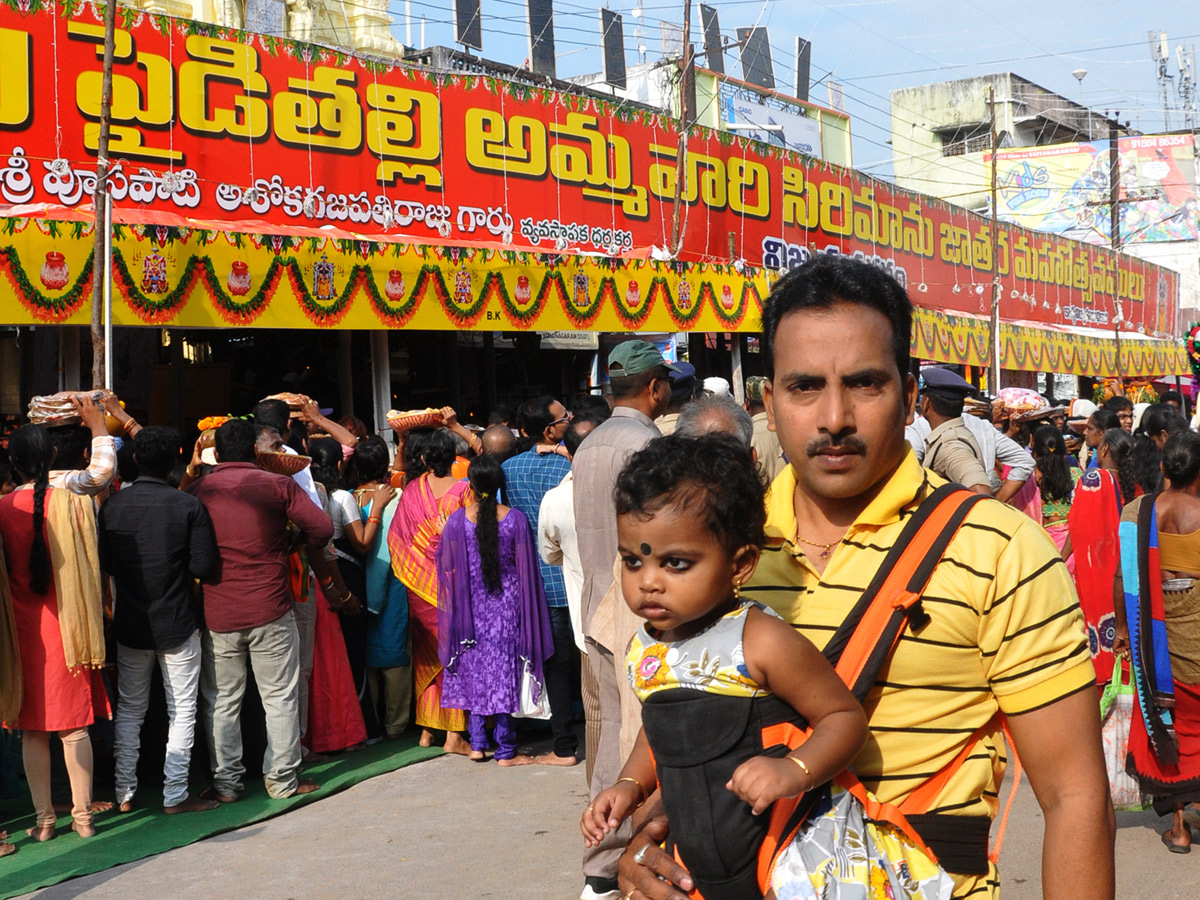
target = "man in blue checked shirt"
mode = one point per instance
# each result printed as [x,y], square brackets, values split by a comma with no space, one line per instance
[527,478]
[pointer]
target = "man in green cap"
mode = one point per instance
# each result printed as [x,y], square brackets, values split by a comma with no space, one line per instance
[641,388]
[765,443]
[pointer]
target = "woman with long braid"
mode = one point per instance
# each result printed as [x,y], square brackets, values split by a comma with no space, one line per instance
[493,622]
[49,538]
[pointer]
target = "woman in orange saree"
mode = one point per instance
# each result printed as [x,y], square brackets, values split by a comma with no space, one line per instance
[425,504]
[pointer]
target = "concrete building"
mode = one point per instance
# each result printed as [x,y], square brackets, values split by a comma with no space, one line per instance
[362,26]
[940,132]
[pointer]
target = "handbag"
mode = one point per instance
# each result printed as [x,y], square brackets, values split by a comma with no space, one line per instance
[528,707]
[1116,710]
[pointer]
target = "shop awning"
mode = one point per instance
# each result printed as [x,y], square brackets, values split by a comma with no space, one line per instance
[1034,347]
[192,278]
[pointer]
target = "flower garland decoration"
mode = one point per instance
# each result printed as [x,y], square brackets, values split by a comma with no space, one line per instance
[583,316]
[324,316]
[522,318]
[1192,345]
[246,311]
[43,306]
[155,310]
[463,315]
[211,422]
[394,315]
[682,317]
[579,315]
[631,317]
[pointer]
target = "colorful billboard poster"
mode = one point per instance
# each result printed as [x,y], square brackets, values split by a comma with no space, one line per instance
[227,131]
[1066,189]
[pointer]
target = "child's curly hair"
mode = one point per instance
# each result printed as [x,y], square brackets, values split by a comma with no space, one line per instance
[712,477]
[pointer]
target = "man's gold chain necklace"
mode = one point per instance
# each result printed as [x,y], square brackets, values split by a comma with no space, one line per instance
[826,548]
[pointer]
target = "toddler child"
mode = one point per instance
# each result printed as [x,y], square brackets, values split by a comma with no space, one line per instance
[714,671]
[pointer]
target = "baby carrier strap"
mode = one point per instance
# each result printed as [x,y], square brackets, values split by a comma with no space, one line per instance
[861,646]
[866,638]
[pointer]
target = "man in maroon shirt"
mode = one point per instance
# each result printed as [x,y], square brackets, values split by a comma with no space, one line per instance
[248,611]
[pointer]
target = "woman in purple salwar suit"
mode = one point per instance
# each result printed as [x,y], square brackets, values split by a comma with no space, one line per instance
[492,617]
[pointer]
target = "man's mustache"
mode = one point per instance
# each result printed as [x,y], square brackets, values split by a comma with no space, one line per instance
[825,443]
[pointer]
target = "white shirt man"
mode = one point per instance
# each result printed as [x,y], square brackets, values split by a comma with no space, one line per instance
[558,546]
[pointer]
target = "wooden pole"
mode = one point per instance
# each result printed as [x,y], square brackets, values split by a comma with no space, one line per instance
[994,370]
[685,120]
[100,200]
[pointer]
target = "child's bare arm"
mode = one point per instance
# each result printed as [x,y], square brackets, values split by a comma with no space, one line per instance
[780,659]
[613,805]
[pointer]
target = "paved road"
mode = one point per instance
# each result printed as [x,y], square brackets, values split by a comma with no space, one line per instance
[452,829]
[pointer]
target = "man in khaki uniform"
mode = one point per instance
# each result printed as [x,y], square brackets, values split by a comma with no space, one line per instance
[765,442]
[950,449]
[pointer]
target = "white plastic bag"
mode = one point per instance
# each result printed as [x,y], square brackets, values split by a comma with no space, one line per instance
[1126,794]
[530,708]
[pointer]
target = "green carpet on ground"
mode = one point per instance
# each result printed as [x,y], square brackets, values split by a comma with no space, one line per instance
[122,838]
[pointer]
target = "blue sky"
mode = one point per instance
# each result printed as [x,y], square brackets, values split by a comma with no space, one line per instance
[874,46]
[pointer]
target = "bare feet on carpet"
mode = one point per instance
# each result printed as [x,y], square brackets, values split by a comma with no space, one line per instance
[306,787]
[84,831]
[6,849]
[426,739]
[211,793]
[41,833]
[191,804]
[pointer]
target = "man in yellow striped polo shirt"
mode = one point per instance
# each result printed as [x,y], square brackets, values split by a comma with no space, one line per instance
[1005,634]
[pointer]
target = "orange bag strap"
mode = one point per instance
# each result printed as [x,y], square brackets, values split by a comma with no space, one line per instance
[994,856]
[923,798]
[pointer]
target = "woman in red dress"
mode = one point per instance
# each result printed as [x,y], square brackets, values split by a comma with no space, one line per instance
[48,536]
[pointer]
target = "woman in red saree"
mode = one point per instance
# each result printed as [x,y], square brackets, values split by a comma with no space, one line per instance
[430,496]
[1093,523]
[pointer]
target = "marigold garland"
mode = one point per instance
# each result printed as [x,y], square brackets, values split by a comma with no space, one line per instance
[155,310]
[393,315]
[681,317]
[522,318]
[44,307]
[631,318]
[246,311]
[324,316]
[579,316]
[1192,344]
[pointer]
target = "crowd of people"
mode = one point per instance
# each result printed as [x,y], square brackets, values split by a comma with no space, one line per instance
[855,578]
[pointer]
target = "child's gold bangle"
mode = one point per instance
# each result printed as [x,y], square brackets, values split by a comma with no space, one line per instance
[798,761]
[639,786]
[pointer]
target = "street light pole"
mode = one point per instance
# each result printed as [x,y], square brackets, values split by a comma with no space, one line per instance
[994,369]
[1081,74]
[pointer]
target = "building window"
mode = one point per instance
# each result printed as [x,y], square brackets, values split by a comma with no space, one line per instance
[965,140]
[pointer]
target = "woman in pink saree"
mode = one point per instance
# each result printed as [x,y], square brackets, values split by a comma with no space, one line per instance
[426,503]
[1056,479]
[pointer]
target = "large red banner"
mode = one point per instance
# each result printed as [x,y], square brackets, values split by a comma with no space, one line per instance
[252,133]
